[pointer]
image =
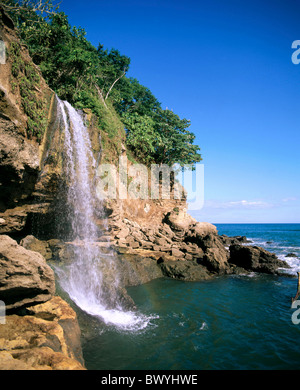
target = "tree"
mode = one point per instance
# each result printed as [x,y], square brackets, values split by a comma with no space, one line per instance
[90,77]
[31,11]
[162,138]
[136,98]
[71,65]
[113,67]
[141,136]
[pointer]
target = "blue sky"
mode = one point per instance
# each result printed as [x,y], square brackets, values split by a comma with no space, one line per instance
[226,66]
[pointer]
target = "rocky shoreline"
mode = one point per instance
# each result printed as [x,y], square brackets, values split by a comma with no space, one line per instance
[41,330]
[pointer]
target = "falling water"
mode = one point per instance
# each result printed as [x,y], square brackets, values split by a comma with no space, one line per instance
[91,279]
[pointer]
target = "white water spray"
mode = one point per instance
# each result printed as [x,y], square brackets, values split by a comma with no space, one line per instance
[91,280]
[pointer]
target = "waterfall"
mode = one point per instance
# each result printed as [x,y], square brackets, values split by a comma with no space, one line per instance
[91,279]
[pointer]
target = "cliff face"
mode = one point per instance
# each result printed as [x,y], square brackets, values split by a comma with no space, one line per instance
[46,335]
[25,102]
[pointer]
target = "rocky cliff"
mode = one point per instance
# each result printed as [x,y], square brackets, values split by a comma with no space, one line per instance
[40,330]
[151,238]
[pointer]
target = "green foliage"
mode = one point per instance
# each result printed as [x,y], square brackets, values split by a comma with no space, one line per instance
[161,138]
[96,79]
[28,10]
[136,98]
[176,142]
[27,78]
[176,210]
[141,137]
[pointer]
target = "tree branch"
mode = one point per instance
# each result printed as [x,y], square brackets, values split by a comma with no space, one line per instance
[114,84]
[100,94]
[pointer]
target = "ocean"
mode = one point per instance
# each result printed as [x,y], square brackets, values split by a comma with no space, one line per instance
[237,322]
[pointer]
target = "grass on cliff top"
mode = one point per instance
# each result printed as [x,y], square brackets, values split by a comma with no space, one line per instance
[25,80]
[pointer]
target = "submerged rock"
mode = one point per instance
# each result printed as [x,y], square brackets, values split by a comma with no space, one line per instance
[25,277]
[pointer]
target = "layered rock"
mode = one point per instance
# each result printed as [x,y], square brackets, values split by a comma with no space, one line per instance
[25,278]
[24,191]
[46,336]
[47,339]
[182,247]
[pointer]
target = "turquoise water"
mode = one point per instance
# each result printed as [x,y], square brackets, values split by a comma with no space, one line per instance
[231,322]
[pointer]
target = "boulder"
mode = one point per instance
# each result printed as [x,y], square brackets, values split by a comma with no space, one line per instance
[180,220]
[202,229]
[255,259]
[123,233]
[59,311]
[25,277]
[35,245]
[146,245]
[215,256]
[199,231]
[140,268]
[134,244]
[177,253]
[184,270]
[47,339]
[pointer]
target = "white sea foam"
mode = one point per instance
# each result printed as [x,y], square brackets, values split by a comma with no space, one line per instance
[293,262]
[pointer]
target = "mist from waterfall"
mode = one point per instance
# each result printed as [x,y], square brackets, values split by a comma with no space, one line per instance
[91,279]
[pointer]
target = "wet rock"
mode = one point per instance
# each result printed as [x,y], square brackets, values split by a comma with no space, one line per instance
[255,259]
[291,255]
[35,245]
[184,270]
[55,246]
[136,269]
